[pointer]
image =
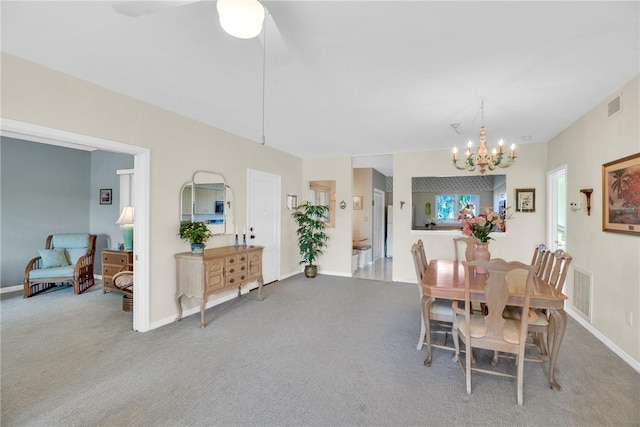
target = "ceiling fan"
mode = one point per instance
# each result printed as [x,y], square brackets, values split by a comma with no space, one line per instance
[277,46]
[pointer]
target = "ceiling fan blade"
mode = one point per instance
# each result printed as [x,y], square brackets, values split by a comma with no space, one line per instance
[141,8]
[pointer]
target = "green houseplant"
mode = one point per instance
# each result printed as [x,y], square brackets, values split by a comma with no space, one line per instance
[197,233]
[312,238]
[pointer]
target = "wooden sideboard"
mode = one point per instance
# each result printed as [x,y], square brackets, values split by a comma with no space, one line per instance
[113,261]
[216,270]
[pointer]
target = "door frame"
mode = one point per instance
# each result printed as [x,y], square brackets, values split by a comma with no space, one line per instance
[378,219]
[552,206]
[141,190]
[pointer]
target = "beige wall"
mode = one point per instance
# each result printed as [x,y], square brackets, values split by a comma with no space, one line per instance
[524,230]
[337,257]
[612,258]
[179,146]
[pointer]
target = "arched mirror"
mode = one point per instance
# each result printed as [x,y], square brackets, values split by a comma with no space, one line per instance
[209,199]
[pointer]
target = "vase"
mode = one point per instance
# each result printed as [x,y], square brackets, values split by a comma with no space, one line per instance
[197,248]
[481,253]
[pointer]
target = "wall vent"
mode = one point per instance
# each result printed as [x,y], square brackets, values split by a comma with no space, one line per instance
[614,106]
[582,287]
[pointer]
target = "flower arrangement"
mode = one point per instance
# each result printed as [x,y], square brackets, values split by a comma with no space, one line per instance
[480,226]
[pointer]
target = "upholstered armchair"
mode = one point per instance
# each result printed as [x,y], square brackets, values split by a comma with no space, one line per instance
[67,258]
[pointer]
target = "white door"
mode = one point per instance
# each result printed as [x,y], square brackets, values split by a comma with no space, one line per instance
[378,224]
[263,220]
[557,209]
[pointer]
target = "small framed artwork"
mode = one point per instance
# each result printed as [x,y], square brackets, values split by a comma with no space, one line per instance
[525,199]
[105,196]
[357,202]
[621,195]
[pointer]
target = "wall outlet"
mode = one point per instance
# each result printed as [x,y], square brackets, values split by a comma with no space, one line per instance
[629,318]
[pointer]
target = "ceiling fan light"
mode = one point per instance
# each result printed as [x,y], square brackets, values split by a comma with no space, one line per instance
[241,18]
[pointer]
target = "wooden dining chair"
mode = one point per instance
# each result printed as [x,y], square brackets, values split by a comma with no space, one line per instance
[555,274]
[540,257]
[492,331]
[436,316]
[469,244]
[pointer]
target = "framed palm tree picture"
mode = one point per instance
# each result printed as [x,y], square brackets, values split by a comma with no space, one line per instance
[621,195]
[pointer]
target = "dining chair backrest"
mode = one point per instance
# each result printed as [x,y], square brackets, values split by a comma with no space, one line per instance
[468,249]
[417,261]
[556,268]
[423,256]
[497,295]
[540,256]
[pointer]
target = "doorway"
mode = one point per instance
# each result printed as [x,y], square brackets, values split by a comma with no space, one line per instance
[140,189]
[557,208]
[263,219]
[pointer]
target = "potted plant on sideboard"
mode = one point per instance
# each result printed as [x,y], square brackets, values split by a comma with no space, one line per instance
[312,238]
[197,233]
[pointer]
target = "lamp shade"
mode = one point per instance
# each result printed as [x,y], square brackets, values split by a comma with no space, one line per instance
[126,216]
[241,18]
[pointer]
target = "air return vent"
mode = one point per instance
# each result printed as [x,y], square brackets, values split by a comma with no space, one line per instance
[582,292]
[614,106]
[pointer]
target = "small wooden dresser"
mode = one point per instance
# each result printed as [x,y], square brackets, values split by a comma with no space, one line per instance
[112,262]
[216,270]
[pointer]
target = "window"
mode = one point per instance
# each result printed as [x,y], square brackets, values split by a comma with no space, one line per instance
[448,206]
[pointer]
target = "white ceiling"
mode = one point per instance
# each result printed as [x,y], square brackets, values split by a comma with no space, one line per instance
[349,78]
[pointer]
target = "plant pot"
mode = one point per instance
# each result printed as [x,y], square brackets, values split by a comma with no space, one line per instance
[311,271]
[481,253]
[197,248]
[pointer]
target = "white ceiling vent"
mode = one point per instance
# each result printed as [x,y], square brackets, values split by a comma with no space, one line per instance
[614,106]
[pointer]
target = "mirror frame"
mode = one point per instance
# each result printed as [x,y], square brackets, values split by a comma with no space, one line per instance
[202,177]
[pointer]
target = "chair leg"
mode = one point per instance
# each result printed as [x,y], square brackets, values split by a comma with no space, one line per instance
[467,359]
[456,341]
[426,311]
[422,332]
[520,379]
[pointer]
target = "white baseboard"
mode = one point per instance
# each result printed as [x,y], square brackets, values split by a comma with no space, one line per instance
[606,341]
[8,289]
[213,301]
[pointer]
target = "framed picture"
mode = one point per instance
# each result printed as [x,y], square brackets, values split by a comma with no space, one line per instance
[621,195]
[357,202]
[105,196]
[525,199]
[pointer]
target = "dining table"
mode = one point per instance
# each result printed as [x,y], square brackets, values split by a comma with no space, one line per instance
[445,279]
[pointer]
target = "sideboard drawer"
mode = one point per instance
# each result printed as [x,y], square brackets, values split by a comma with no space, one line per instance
[235,279]
[235,269]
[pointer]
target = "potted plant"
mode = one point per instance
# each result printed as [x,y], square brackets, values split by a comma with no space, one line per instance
[312,238]
[197,233]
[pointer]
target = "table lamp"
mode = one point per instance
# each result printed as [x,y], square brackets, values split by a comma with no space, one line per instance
[126,222]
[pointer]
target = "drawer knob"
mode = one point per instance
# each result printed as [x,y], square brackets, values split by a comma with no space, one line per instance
[241,277]
[242,268]
[231,280]
[231,270]
[231,261]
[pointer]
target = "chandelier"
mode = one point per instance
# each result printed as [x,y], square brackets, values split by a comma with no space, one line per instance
[483,160]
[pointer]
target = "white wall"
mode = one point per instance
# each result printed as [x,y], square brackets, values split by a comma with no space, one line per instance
[524,230]
[612,258]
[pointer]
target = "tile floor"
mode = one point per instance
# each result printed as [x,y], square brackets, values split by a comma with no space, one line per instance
[379,270]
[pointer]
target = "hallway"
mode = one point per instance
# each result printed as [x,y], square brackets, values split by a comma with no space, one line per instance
[379,270]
